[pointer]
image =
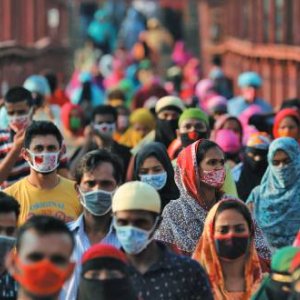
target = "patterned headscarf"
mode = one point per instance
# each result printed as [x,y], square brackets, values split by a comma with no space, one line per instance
[277,199]
[205,253]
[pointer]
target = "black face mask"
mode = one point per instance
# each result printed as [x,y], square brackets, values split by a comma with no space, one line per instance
[257,166]
[110,289]
[166,131]
[231,248]
[191,137]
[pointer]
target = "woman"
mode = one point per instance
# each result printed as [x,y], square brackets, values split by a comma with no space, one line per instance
[199,175]
[228,122]
[287,124]
[249,172]
[142,122]
[153,166]
[227,251]
[275,202]
[72,117]
[105,275]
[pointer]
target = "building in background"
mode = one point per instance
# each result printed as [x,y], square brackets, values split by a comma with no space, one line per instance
[258,35]
[33,36]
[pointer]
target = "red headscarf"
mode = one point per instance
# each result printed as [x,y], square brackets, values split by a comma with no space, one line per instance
[65,114]
[287,112]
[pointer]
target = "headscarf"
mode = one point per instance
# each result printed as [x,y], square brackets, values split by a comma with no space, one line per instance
[252,172]
[158,150]
[204,91]
[205,253]
[66,113]
[287,112]
[99,257]
[142,116]
[221,122]
[194,113]
[229,141]
[276,199]
[272,287]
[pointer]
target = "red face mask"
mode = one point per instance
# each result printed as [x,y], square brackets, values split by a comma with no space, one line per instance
[42,278]
[214,178]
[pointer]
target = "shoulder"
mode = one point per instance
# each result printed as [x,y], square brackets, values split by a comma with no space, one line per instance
[254,194]
[173,208]
[235,100]
[15,188]
[73,225]
[68,182]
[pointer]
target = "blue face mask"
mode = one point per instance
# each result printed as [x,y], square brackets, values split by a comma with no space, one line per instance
[98,203]
[158,181]
[134,240]
[285,176]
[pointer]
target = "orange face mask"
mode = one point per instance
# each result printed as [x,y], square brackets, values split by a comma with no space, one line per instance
[42,278]
[287,132]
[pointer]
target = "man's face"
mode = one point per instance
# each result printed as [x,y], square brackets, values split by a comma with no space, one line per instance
[104,126]
[47,143]
[101,178]
[168,114]
[17,109]
[100,119]
[56,247]
[191,125]
[8,224]
[137,218]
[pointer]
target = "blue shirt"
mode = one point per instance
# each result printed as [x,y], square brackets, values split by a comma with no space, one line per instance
[238,104]
[82,243]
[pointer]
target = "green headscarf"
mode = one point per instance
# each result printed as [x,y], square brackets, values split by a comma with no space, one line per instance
[194,113]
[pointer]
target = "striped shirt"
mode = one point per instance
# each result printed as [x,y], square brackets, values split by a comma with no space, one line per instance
[21,168]
[82,243]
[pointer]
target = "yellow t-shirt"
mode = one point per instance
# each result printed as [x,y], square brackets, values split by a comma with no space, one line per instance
[61,202]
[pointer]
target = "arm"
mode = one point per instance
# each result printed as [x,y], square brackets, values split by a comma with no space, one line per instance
[8,162]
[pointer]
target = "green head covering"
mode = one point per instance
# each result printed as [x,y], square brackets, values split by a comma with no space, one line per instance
[282,258]
[193,113]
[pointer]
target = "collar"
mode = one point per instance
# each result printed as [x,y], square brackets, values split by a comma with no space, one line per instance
[78,226]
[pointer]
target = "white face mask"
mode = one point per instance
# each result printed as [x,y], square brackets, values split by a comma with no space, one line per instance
[17,123]
[105,129]
[45,162]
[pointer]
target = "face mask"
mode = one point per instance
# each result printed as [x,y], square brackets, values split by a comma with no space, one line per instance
[231,247]
[134,240]
[42,278]
[98,203]
[214,178]
[17,123]
[6,244]
[44,162]
[158,181]
[105,129]
[191,137]
[257,165]
[166,131]
[110,289]
[75,123]
[285,176]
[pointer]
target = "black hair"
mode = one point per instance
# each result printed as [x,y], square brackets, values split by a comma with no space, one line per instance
[42,128]
[9,204]
[93,159]
[52,80]
[217,60]
[44,225]
[239,207]
[204,146]
[18,94]
[116,94]
[290,103]
[104,110]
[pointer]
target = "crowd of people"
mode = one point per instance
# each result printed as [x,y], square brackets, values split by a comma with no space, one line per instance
[143,183]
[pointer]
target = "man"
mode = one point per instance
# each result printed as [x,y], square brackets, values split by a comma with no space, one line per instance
[156,273]
[9,213]
[41,263]
[44,192]
[99,135]
[97,176]
[19,106]
[249,83]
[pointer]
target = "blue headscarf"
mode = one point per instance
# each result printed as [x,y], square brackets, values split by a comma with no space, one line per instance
[277,199]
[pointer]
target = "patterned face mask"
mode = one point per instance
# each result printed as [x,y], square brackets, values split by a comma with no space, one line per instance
[214,178]
[45,162]
[105,129]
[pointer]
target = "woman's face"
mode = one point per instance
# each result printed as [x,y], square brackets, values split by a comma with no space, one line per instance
[233,125]
[230,221]
[141,129]
[151,166]
[289,128]
[280,159]
[213,160]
